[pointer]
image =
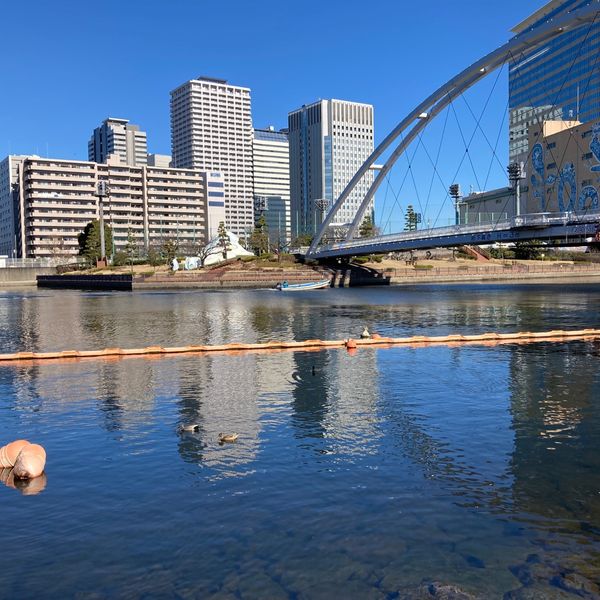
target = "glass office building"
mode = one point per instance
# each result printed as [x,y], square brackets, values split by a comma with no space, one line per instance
[329,142]
[558,81]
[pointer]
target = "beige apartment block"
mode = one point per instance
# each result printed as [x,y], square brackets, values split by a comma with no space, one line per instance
[57,199]
[159,160]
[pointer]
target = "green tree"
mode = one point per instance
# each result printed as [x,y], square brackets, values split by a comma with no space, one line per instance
[89,241]
[304,239]
[169,250]
[259,240]
[131,247]
[153,257]
[224,241]
[410,219]
[528,250]
[367,227]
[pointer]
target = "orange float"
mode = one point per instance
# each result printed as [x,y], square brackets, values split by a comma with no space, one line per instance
[30,462]
[9,453]
[26,460]
[374,340]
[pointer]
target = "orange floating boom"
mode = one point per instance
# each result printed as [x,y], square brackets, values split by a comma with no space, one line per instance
[376,340]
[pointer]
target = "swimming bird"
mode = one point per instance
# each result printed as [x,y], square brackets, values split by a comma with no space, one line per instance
[190,427]
[228,437]
[365,334]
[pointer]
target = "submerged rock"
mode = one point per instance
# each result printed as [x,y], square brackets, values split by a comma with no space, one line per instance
[544,579]
[434,590]
[539,591]
[576,583]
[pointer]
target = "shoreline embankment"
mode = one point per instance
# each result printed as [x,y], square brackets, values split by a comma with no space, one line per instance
[343,276]
[508,273]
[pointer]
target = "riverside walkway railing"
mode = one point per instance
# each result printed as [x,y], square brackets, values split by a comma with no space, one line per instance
[521,228]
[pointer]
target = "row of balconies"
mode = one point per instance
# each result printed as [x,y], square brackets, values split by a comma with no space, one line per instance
[181,214]
[60,215]
[33,176]
[59,167]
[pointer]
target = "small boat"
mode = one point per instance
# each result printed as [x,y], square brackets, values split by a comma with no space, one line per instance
[284,286]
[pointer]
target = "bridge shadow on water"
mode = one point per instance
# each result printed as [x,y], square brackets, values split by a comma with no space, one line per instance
[351,275]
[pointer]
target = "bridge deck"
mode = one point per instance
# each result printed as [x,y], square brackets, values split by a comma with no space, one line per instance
[568,227]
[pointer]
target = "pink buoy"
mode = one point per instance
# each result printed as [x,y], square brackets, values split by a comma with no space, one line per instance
[30,462]
[9,453]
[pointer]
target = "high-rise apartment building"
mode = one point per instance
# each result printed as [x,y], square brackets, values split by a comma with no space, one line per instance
[9,179]
[272,182]
[329,140]
[211,128]
[118,136]
[560,80]
[55,199]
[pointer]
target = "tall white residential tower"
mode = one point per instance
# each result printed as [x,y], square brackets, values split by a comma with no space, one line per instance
[329,140]
[211,129]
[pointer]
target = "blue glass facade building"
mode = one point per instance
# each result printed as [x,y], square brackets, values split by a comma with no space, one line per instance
[558,81]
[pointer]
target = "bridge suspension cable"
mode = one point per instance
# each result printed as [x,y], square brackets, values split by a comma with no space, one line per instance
[427,110]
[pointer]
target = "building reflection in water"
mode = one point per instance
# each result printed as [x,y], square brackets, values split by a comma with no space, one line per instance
[556,421]
[331,396]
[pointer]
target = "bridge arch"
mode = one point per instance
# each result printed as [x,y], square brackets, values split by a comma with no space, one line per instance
[441,98]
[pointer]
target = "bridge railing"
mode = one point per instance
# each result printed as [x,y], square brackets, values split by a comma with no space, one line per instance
[417,235]
[527,220]
[555,218]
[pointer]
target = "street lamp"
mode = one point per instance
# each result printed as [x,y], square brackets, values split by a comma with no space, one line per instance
[515,174]
[103,191]
[321,205]
[456,195]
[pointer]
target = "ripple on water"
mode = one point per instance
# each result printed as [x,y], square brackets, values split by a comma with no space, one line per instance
[354,476]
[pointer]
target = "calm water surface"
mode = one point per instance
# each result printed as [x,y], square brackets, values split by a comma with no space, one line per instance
[353,477]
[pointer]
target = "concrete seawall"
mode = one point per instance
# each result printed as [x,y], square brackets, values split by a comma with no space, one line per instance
[515,274]
[86,282]
[19,276]
[340,277]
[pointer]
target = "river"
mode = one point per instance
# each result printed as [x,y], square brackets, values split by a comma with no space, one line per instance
[354,476]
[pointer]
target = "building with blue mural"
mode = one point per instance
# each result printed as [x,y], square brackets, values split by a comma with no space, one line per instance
[560,80]
[563,171]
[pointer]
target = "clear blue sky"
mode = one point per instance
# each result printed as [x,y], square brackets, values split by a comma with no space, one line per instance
[68,64]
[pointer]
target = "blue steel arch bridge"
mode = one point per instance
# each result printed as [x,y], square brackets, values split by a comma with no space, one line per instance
[575,224]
